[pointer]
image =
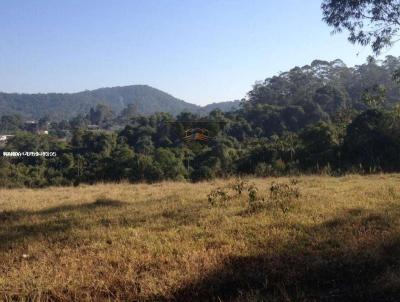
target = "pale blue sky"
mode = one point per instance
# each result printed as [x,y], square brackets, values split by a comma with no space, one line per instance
[201,51]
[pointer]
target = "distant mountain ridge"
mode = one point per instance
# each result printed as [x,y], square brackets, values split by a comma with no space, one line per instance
[224,106]
[147,100]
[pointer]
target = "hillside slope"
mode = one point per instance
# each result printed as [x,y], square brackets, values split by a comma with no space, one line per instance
[224,106]
[147,99]
[65,105]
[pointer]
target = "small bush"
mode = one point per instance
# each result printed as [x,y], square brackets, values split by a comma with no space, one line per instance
[239,186]
[255,203]
[253,192]
[284,195]
[218,196]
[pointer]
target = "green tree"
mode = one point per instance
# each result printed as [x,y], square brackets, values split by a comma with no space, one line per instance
[375,97]
[369,22]
[101,115]
[10,123]
[128,112]
[320,146]
[371,143]
[121,162]
[171,165]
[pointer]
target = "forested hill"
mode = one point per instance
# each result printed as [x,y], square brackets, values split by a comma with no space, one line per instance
[323,117]
[329,86]
[223,106]
[302,95]
[147,100]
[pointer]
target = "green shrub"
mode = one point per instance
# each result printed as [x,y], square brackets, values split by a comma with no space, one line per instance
[218,196]
[255,202]
[283,195]
[239,186]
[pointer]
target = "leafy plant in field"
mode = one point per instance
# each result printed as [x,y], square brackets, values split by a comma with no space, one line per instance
[253,191]
[239,186]
[255,203]
[283,195]
[218,196]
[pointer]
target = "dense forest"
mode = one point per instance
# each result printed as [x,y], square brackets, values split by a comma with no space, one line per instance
[321,118]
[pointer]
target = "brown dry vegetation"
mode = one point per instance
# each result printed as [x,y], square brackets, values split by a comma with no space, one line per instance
[122,242]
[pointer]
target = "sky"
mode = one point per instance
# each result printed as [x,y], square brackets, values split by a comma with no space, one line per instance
[201,51]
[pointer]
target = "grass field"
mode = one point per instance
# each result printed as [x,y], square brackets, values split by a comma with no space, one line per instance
[123,242]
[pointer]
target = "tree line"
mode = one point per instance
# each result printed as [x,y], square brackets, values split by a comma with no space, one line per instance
[321,118]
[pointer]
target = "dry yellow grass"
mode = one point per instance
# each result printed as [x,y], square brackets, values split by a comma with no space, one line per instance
[123,242]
